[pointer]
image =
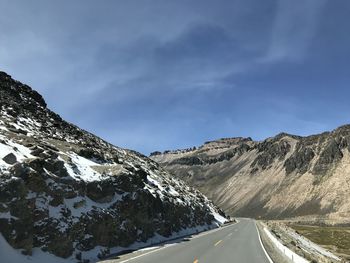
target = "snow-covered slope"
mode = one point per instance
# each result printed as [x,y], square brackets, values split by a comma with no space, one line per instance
[65,193]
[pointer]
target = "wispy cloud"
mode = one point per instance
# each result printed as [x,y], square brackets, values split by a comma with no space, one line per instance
[294,27]
[157,74]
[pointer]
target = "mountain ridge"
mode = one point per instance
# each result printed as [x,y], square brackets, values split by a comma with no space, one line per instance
[255,178]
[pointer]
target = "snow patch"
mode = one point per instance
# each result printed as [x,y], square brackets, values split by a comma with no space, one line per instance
[11,255]
[82,169]
[7,215]
[219,218]
[7,146]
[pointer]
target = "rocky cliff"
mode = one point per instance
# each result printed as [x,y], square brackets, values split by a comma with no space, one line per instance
[280,177]
[67,192]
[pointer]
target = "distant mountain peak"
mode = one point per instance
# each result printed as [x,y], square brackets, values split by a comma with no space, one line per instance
[279,177]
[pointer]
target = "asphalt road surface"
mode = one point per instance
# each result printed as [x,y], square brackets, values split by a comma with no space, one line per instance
[238,243]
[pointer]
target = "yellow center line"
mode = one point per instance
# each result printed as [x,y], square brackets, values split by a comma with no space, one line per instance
[195,261]
[217,243]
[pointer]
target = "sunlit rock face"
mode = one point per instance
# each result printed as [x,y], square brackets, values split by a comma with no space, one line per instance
[281,177]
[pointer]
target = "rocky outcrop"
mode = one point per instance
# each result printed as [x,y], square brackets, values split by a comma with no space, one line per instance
[282,176]
[68,192]
[269,151]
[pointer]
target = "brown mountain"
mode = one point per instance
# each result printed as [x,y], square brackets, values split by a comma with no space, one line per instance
[281,177]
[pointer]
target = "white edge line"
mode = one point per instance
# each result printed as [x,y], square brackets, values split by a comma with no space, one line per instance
[204,233]
[169,245]
[156,249]
[262,245]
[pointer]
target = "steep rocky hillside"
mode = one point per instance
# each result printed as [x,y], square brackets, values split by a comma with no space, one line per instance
[67,192]
[283,176]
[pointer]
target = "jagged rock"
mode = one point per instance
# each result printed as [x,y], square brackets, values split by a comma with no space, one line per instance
[91,154]
[155,153]
[189,161]
[56,167]
[10,158]
[299,161]
[60,246]
[57,200]
[101,192]
[69,191]
[36,151]
[269,151]
[330,155]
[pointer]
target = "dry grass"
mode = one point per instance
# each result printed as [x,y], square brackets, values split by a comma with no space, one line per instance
[333,238]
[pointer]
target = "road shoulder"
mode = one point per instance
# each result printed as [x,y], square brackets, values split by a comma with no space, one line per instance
[275,255]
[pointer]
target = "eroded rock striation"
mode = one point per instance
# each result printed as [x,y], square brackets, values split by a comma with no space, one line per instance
[67,192]
[280,177]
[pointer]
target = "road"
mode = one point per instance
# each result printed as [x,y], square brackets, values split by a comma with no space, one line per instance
[234,243]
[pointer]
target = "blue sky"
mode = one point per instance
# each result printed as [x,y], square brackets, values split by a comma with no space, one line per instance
[162,74]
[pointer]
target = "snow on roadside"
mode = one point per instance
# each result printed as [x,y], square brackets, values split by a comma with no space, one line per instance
[150,243]
[219,218]
[10,255]
[156,187]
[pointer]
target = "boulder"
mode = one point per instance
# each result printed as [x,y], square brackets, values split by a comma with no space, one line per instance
[10,158]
